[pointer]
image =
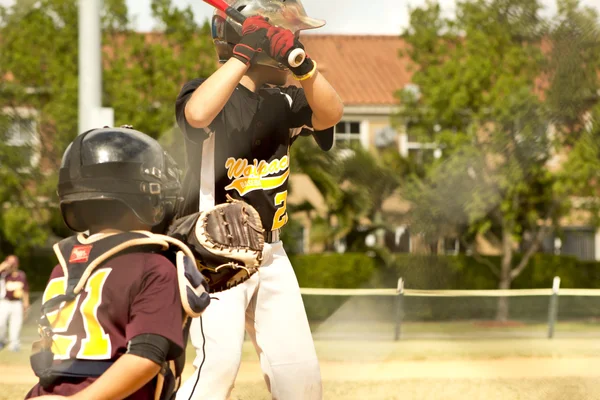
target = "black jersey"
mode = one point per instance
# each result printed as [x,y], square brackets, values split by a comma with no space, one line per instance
[244,153]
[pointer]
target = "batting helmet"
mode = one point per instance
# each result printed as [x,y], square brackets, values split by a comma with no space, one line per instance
[119,164]
[288,14]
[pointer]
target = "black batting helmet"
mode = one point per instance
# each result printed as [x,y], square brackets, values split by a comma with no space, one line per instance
[119,164]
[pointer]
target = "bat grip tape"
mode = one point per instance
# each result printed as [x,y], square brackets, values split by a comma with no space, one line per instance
[235,15]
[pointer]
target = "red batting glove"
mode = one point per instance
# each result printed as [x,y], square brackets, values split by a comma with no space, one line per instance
[254,24]
[254,37]
[282,42]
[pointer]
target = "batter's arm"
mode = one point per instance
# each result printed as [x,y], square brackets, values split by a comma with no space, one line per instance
[209,98]
[324,101]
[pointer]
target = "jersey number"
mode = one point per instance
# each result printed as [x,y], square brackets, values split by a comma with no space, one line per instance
[96,343]
[280,218]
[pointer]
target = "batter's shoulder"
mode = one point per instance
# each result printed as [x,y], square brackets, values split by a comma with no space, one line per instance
[190,86]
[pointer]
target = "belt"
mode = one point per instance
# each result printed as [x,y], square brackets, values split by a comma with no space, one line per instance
[272,236]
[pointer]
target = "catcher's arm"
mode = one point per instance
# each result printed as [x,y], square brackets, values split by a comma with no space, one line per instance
[127,375]
[227,242]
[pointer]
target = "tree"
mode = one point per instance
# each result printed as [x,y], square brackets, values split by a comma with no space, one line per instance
[142,76]
[480,77]
[573,68]
[354,184]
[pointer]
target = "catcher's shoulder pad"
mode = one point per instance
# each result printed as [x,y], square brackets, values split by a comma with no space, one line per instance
[79,257]
[227,241]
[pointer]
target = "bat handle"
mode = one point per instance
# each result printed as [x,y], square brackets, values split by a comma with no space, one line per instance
[235,15]
[296,57]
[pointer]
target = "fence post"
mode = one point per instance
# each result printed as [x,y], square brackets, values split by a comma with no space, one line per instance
[553,309]
[399,308]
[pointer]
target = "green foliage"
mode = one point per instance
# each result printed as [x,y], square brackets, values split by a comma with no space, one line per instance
[572,67]
[142,76]
[331,271]
[581,169]
[434,272]
[479,98]
[144,73]
[356,270]
[354,184]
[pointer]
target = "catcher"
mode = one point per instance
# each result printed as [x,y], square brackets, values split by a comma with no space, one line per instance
[116,310]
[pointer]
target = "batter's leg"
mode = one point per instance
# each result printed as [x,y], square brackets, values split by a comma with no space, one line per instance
[218,337]
[283,337]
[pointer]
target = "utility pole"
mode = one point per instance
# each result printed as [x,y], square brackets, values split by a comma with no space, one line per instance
[91,113]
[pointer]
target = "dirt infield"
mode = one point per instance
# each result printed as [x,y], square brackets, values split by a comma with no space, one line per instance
[497,379]
[512,368]
[451,370]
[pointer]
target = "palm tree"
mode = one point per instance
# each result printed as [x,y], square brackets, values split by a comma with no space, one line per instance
[354,184]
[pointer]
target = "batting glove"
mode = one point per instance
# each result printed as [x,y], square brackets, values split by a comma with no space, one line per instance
[254,36]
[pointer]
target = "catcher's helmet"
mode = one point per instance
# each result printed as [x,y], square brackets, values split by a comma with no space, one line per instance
[119,164]
[289,14]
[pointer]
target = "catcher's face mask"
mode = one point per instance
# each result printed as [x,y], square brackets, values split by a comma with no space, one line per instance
[289,14]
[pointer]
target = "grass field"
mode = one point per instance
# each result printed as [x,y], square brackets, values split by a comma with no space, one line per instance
[487,369]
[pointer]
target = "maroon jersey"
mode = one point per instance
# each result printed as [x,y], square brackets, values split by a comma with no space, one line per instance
[16,285]
[129,295]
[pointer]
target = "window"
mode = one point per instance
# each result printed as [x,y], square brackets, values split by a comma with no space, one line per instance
[579,242]
[411,146]
[21,134]
[451,246]
[398,240]
[347,134]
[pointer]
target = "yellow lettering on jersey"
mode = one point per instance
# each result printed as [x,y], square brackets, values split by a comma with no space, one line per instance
[96,345]
[280,218]
[60,319]
[248,176]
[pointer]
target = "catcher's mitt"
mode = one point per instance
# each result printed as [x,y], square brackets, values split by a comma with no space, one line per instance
[227,241]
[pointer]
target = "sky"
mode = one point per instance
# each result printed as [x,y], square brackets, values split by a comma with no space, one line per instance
[376,17]
[360,17]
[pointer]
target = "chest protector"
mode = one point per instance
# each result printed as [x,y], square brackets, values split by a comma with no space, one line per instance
[79,258]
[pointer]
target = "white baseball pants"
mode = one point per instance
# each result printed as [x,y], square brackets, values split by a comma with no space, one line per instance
[270,308]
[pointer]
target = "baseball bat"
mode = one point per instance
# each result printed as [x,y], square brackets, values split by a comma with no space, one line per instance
[296,56]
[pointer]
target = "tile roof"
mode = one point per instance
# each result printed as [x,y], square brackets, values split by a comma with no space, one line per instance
[364,69]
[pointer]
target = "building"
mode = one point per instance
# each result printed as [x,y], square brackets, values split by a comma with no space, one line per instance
[367,71]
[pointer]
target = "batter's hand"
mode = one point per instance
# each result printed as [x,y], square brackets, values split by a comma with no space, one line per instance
[255,24]
[254,36]
[281,43]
